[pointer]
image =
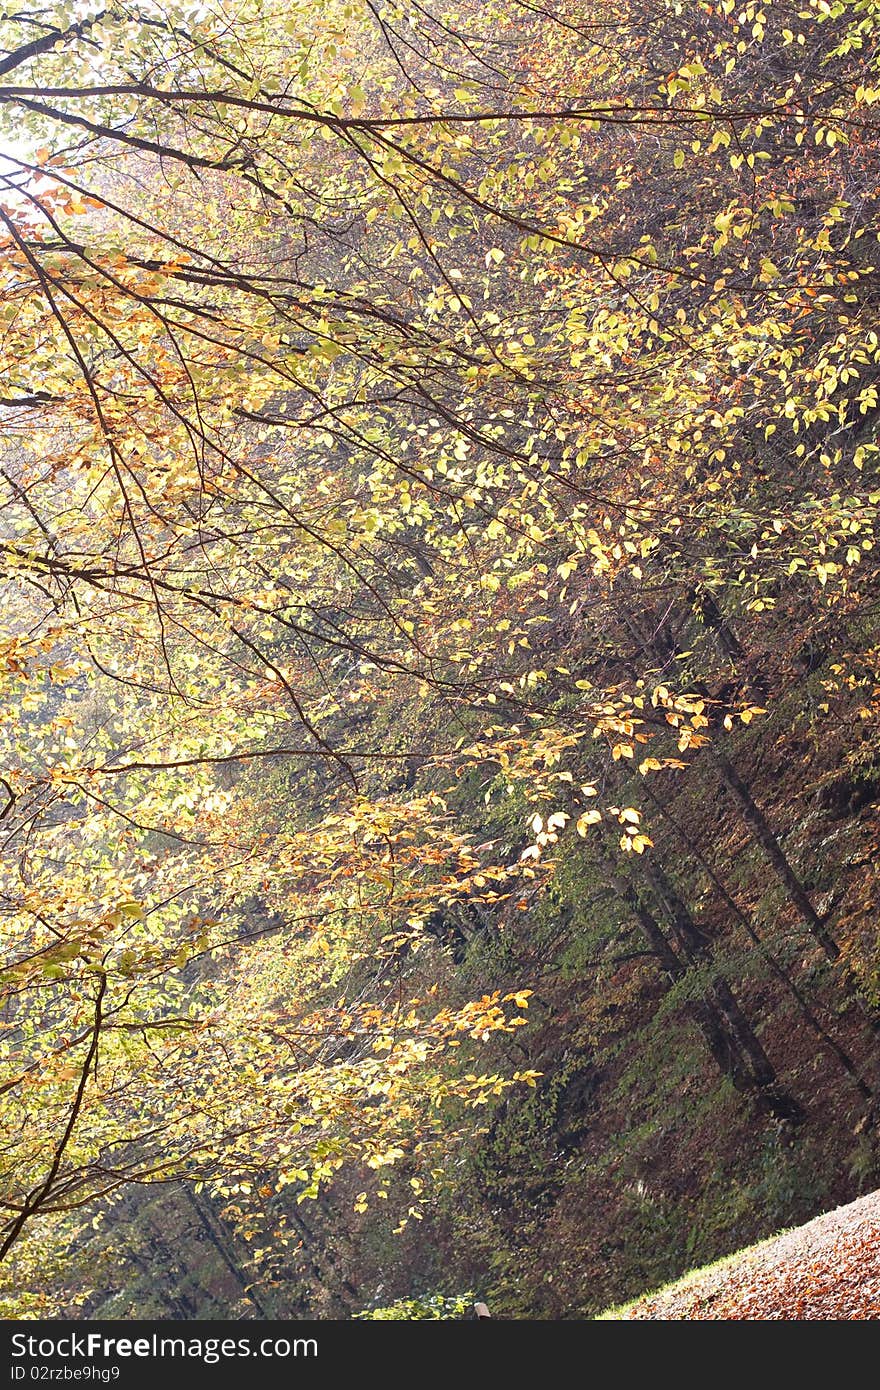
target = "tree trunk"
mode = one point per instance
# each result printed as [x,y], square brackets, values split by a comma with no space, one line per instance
[830,1043]
[697,948]
[773,850]
[206,1221]
[730,1039]
[665,646]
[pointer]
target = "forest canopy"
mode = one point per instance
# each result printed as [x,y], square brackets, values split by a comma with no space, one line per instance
[436,442]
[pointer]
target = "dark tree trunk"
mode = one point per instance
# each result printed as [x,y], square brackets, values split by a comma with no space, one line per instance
[830,1043]
[729,1037]
[208,1223]
[774,852]
[696,946]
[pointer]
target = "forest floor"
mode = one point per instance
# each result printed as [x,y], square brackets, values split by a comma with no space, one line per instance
[828,1270]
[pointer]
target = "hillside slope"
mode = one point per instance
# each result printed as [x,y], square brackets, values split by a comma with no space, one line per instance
[827,1270]
[440,735]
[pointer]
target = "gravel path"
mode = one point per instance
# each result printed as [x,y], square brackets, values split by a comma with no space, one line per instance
[828,1269]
